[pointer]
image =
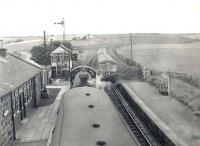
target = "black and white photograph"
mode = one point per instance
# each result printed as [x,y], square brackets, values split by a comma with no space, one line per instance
[99,73]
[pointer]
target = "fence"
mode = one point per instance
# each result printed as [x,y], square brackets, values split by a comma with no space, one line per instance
[127,61]
[146,72]
[182,76]
[192,80]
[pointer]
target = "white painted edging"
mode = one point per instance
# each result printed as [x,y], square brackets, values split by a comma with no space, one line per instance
[165,128]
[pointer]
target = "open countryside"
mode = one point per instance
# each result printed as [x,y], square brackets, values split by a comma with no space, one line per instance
[179,57]
[79,84]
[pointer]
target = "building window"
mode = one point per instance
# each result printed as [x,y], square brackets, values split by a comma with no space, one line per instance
[61,56]
[57,58]
[53,58]
[25,93]
[66,57]
[65,64]
[28,91]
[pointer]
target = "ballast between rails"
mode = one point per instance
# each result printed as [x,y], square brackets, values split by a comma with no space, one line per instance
[121,105]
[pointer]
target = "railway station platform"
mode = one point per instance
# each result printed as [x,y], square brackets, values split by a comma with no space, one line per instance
[177,121]
[36,130]
[79,116]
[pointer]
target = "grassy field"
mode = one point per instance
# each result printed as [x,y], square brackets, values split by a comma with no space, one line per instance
[181,57]
[173,52]
[8,40]
[164,52]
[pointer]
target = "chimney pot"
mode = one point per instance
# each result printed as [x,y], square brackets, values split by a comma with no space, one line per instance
[3,52]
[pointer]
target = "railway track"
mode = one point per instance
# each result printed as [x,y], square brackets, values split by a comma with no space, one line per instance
[137,128]
[92,61]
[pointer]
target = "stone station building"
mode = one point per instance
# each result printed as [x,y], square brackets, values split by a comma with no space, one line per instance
[21,83]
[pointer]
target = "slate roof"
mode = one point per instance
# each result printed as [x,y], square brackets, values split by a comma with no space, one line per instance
[61,49]
[105,58]
[14,71]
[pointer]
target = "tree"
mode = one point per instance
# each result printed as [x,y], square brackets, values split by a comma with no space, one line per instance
[42,55]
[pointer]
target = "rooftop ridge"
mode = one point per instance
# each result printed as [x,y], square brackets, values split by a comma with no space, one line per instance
[26,61]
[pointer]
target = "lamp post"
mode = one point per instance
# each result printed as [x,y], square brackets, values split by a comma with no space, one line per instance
[131,45]
[63,25]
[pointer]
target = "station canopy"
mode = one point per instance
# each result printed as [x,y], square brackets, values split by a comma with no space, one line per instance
[105,58]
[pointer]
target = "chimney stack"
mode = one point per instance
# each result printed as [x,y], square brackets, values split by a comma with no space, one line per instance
[3,52]
[1,43]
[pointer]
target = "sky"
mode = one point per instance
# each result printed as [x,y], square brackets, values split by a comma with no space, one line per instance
[32,17]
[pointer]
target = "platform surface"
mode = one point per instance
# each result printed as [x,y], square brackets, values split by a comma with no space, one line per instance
[77,120]
[179,118]
[37,128]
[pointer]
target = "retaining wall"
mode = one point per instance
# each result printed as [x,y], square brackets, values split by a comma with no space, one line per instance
[159,134]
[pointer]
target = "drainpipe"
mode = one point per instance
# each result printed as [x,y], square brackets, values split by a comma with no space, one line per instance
[13,119]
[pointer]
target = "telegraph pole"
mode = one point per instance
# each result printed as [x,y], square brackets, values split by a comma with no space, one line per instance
[51,40]
[131,46]
[45,45]
[169,85]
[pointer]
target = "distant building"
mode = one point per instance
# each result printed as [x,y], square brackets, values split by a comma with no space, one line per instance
[87,37]
[20,90]
[84,37]
[76,38]
[60,58]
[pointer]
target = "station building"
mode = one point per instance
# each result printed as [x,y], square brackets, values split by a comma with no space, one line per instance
[60,61]
[20,90]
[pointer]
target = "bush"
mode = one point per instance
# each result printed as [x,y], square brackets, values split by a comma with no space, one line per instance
[42,55]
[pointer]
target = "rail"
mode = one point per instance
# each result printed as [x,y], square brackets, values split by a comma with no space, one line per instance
[123,107]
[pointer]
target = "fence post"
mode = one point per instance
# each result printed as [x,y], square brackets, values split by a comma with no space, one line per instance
[169,86]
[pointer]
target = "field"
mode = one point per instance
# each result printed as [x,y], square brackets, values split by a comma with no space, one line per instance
[167,52]
[162,52]
[176,57]
[8,40]
[180,57]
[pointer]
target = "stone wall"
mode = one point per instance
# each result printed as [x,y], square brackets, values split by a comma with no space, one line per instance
[147,120]
[6,125]
[6,122]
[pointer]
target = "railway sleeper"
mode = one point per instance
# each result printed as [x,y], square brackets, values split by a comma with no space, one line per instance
[143,137]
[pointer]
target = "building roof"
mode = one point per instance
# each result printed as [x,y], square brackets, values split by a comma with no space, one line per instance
[61,49]
[14,71]
[105,58]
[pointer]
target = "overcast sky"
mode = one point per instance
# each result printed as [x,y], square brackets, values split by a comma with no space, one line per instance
[31,17]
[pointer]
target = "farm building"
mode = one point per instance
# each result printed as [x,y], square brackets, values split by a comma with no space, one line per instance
[20,87]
